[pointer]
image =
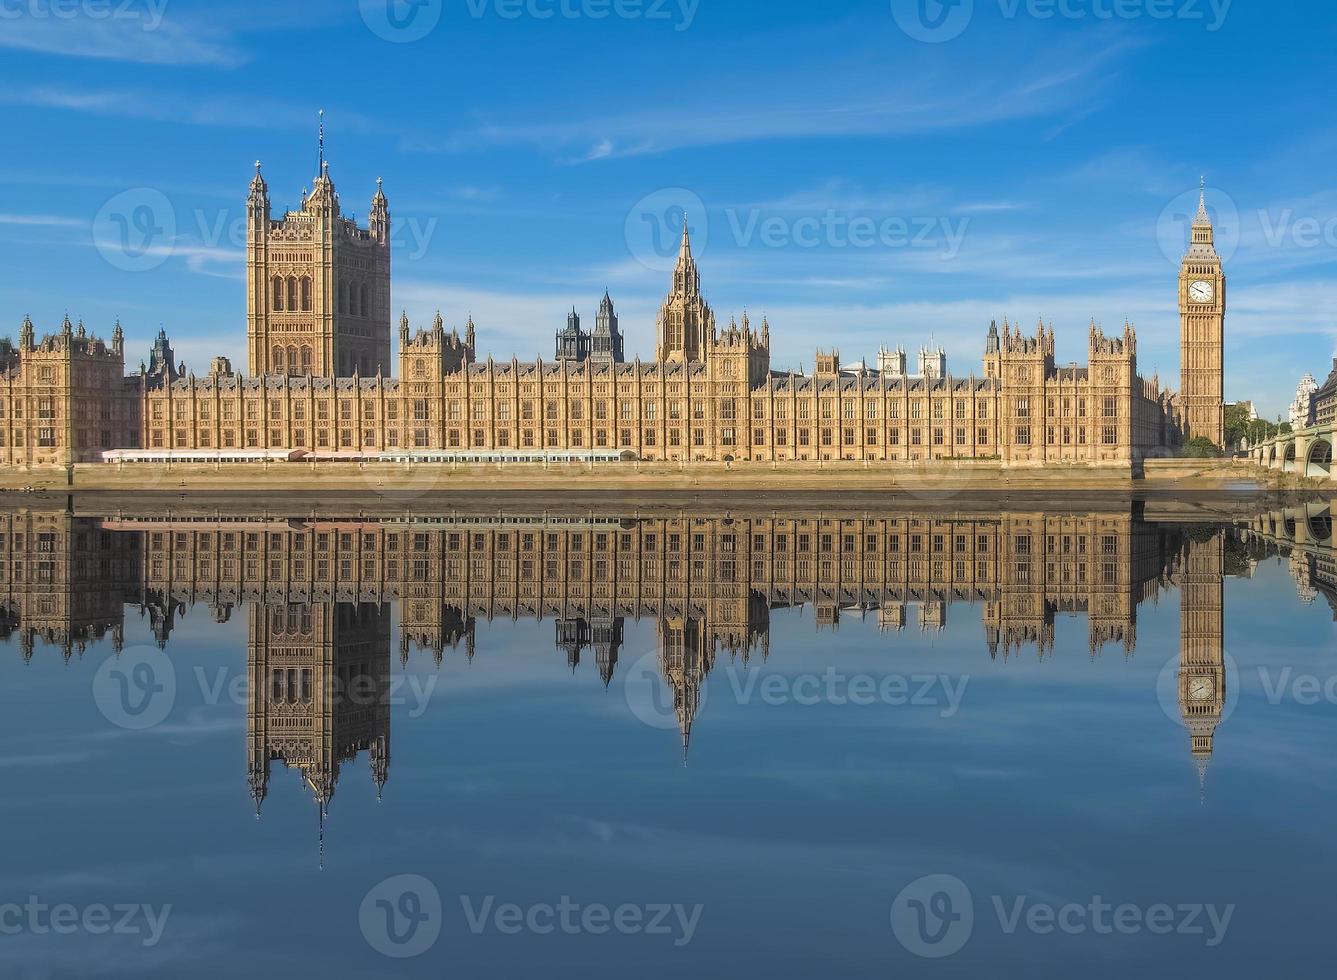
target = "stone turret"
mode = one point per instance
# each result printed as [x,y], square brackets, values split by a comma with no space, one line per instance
[606,341]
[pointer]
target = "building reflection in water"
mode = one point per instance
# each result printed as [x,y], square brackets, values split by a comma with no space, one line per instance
[318,595]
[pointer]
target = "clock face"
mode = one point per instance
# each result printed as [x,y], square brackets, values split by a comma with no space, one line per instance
[1201,688]
[1201,291]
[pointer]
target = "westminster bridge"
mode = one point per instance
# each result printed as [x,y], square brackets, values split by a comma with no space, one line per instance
[1305,452]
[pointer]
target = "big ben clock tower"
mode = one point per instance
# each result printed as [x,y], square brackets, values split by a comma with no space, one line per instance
[1202,315]
[1202,665]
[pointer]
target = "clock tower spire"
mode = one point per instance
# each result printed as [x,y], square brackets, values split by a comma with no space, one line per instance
[1202,666]
[1202,312]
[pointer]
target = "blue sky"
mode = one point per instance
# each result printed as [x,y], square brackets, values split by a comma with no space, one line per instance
[854,182]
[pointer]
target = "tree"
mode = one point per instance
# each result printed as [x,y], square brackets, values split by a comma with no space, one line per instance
[1237,424]
[1261,430]
[1200,447]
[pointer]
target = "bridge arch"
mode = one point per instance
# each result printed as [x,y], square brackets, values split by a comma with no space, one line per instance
[1319,461]
[1320,524]
[1288,461]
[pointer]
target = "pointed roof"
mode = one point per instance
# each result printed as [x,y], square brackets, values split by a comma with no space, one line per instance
[1202,217]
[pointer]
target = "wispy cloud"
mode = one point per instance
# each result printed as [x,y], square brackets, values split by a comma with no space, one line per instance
[140,32]
[867,96]
[244,112]
[41,221]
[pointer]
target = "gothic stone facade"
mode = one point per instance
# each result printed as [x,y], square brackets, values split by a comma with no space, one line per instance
[710,394]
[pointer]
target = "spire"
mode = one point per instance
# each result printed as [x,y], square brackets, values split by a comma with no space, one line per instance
[259,195]
[1202,218]
[323,164]
[686,250]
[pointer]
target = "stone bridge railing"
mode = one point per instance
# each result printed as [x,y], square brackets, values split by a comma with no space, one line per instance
[1304,452]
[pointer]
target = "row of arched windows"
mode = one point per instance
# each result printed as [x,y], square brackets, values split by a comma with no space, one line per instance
[292,294]
[290,359]
[354,298]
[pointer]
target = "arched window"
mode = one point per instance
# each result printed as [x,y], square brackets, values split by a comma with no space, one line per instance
[292,360]
[292,293]
[343,297]
[366,304]
[306,359]
[278,294]
[306,294]
[277,365]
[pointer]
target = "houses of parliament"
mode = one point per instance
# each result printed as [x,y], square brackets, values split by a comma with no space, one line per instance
[323,377]
[329,601]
